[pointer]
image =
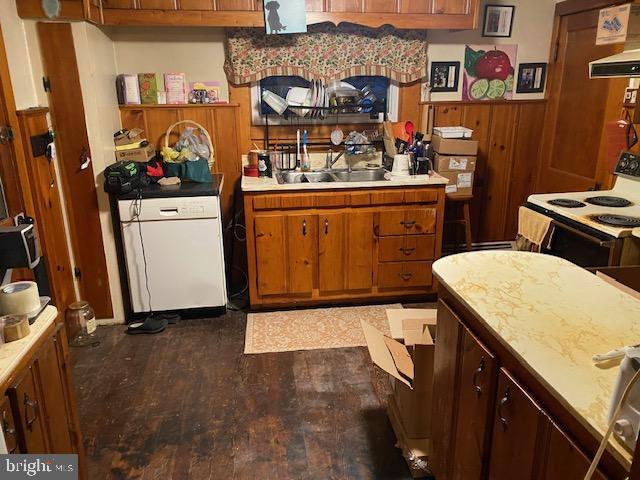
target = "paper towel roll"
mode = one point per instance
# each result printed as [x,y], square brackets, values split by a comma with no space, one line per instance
[19,298]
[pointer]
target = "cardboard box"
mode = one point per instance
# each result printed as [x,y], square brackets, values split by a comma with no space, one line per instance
[452,146]
[143,154]
[127,137]
[454,163]
[416,451]
[460,183]
[409,360]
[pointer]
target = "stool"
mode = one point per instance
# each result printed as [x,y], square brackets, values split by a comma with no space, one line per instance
[465,221]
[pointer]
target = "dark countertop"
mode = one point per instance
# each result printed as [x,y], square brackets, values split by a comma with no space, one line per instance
[184,189]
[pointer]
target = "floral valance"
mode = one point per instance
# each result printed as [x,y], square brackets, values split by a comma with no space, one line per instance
[326,53]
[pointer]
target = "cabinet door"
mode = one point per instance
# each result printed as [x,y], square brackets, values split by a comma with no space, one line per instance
[235,4]
[315,5]
[565,460]
[331,252]
[445,371]
[302,252]
[9,427]
[415,6]
[518,422]
[123,4]
[405,275]
[25,399]
[271,255]
[345,5]
[478,373]
[380,6]
[359,251]
[157,4]
[196,4]
[452,7]
[55,409]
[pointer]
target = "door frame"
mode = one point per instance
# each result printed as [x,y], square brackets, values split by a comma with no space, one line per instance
[571,7]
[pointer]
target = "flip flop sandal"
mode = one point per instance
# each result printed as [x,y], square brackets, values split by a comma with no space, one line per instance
[151,324]
[172,318]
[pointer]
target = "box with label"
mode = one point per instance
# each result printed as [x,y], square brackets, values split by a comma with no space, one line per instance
[460,183]
[142,154]
[454,163]
[452,146]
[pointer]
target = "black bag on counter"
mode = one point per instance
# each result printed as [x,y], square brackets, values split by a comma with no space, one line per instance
[121,177]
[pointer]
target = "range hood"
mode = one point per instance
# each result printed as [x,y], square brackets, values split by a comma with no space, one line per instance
[627,63]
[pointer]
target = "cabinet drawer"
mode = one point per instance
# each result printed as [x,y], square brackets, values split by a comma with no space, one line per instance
[415,221]
[420,196]
[25,400]
[407,248]
[8,426]
[404,274]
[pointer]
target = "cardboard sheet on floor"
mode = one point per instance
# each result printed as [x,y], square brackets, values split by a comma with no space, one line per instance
[408,324]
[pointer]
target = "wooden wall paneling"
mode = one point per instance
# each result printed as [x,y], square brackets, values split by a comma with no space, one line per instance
[79,185]
[478,118]
[448,115]
[524,171]
[498,172]
[157,121]
[48,214]
[228,161]
[409,108]
[241,95]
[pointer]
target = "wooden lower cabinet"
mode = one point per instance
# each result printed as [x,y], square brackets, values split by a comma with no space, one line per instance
[38,412]
[485,424]
[319,247]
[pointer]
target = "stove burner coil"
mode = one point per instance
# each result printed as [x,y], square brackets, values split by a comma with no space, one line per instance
[606,201]
[613,220]
[566,203]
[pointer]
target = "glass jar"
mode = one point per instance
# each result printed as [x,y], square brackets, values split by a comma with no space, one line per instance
[80,316]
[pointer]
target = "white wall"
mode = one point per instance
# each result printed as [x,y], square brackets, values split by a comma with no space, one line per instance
[532,30]
[197,52]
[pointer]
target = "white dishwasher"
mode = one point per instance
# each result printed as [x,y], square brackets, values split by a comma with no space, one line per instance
[181,240]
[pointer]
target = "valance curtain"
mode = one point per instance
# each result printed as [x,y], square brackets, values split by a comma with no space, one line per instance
[326,53]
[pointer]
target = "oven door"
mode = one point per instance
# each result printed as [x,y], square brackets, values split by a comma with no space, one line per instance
[582,247]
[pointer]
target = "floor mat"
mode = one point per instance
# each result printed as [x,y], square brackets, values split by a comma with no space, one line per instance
[312,329]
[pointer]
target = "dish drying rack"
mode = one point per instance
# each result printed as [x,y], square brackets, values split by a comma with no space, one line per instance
[320,115]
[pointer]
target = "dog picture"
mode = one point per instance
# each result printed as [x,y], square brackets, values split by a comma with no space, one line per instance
[273,18]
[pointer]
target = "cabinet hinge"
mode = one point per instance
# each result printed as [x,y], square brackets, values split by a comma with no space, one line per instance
[46,83]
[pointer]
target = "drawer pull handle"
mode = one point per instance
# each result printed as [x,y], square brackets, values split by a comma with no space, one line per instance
[405,276]
[304,228]
[33,405]
[408,224]
[11,432]
[476,374]
[407,251]
[326,226]
[503,402]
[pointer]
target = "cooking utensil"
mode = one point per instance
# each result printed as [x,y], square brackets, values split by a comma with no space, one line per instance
[337,136]
[409,128]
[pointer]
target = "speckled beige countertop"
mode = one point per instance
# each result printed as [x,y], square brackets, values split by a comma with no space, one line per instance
[11,353]
[553,316]
[257,184]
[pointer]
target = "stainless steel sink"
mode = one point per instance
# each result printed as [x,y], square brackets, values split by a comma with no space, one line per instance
[361,175]
[331,176]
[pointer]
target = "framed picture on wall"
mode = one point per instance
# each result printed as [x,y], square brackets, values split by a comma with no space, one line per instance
[284,18]
[531,77]
[445,76]
[498,20]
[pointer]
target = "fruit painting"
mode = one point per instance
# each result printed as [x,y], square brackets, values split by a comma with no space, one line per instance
[489,72]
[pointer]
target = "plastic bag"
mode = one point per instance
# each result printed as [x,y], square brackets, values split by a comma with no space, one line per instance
[193,142]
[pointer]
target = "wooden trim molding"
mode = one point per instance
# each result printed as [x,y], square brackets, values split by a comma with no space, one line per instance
[570,7]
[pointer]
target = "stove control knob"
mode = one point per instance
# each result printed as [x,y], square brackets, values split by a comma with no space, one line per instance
[633,167]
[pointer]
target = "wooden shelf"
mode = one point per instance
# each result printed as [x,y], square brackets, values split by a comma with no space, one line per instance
[179,106]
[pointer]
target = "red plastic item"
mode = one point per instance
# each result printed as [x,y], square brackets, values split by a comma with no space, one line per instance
[250,170]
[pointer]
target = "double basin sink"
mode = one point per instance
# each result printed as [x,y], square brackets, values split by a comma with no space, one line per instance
[376,175]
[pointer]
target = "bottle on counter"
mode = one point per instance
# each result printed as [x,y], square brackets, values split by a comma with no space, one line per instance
[265,169]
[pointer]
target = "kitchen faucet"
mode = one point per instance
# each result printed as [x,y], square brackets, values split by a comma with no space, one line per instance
[330,161]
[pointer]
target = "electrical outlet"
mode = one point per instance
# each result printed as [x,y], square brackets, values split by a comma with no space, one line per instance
[17,220]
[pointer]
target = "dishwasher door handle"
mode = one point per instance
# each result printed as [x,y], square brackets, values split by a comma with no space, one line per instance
[169,212]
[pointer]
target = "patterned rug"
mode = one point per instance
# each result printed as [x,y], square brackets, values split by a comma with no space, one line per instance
[312,329]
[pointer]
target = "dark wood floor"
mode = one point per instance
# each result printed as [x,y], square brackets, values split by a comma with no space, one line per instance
[187,404]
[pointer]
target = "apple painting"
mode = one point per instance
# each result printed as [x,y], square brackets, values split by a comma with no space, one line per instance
[489,72]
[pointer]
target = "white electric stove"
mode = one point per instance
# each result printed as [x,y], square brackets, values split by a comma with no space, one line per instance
[592,226]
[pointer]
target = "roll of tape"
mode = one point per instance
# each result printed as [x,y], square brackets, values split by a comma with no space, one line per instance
[19,298]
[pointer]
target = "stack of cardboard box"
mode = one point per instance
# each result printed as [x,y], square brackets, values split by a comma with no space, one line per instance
[408,355]
[455,159]
[130,146]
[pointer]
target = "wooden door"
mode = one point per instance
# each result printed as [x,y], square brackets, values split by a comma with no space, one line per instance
[302,252]
[55,408]
[578,107]
[67,115]
[445,379]
[271,255]
[332,249]
[359,251]
[517,426]
[478,374]
[8,426]
[25,400]
[564,460]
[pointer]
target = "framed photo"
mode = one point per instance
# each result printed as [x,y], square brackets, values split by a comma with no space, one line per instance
[531,77]
[445,76]
[498,20]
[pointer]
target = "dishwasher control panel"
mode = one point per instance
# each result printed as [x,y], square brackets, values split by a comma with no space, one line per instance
[181,208]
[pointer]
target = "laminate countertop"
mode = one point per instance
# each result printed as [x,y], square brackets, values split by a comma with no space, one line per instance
[553,316]
[266,184]
[11,353]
